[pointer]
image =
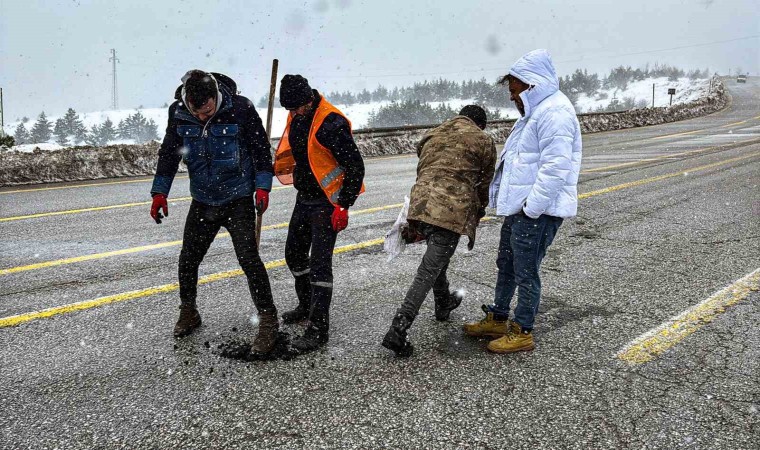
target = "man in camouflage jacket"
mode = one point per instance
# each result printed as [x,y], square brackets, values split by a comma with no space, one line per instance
[456,165]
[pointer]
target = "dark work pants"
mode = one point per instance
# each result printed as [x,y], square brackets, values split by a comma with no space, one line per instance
[431,273]
[203,223]
[308,253]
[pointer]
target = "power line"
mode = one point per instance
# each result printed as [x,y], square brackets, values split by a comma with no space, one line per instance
[503,68]
[673,48]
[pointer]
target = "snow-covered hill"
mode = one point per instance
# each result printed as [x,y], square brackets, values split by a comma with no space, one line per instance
[641,91]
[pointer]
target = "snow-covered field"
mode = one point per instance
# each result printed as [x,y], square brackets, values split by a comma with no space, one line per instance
[641,91]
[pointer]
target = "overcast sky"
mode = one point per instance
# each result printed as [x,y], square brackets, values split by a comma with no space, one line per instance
[55,53]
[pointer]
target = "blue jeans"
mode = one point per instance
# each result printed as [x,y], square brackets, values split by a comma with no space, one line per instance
[522,247]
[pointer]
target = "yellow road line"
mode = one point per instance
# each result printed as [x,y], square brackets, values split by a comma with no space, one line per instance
[105,183]
[663,177]
[678,134]
[77,211]
[696,131]
[658,340]
[26,317]
[663,157]
[18,319]
[145,248]
[101,208]
[147,180]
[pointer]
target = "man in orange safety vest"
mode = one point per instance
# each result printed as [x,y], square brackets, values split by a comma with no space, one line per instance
[318,155]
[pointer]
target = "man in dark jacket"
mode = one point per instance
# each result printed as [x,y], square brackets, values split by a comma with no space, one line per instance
[448,200]
[221,139]
[317,153]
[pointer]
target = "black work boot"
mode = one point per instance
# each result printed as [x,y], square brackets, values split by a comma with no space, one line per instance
[189,320]
[396,340]
[444,306]
[301,312]
[267,335]
[313,339]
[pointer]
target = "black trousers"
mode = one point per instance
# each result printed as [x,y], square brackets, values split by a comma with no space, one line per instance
[308,254]
[202,225]
[431,273]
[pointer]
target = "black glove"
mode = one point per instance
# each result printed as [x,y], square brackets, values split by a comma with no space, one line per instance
[410,235]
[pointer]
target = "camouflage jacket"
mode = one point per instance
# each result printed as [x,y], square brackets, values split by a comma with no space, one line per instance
[456,164]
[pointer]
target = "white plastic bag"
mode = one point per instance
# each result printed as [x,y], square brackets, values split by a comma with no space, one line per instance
[394,244]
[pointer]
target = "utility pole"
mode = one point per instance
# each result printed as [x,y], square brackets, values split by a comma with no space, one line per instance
[2,115]
[652,95]
[114,93]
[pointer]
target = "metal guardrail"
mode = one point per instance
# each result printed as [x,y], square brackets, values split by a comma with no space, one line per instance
[490,122]
[385,130]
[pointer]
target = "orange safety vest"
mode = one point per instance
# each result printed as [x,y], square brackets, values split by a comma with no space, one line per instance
[324,166]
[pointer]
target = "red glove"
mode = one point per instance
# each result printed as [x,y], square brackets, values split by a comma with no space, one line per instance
[159,201]
[339,219]
[262,200]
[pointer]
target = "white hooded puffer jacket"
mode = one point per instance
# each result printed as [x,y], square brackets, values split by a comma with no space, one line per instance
[537,171]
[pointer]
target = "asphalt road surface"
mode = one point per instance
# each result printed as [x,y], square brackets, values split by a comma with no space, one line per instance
[669,217]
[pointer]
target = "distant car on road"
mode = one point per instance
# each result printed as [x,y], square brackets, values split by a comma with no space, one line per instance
[741,79]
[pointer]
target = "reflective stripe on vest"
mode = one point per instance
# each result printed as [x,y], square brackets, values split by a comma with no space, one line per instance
[330,177]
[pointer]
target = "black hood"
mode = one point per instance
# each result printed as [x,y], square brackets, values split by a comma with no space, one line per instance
[225,83]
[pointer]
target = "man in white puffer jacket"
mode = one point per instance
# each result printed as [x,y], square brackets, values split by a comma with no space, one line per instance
[534,188]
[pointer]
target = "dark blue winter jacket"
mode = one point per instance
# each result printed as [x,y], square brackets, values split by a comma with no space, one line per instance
[227,157]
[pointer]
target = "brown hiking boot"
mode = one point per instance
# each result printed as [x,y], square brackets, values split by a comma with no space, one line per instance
[267,335]
[189,320]
[522,341]
[491,325]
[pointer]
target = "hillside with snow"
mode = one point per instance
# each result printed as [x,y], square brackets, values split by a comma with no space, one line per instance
[640,93]
[636,94]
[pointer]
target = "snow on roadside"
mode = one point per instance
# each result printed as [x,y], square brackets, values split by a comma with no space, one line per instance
[28,148]
[641,91]
[87,163]
[686,90]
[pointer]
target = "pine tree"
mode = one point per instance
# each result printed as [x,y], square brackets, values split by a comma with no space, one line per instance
[107,132]
[123,130]
[21,135]
[150,131]
[93,137]
[61,132]
[7,141]
[42,129]
[138,128]
[74,125]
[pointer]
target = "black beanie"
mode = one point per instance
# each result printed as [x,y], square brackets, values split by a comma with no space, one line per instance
[476,113]
[295,91]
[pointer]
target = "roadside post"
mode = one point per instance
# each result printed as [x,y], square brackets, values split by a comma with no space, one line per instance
[270,107]
[2,115]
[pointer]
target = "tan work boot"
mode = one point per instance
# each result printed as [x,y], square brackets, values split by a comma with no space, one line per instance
[490,326]
[267,335]
[513,342]
[189,320]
